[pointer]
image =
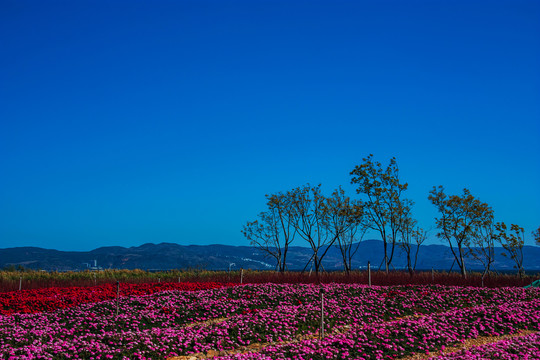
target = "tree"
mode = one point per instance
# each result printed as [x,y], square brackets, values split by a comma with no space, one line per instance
[512,242]
[280,205]
[460,217]
[536,235]
[344,219]
[411,235]
[309,216]
[483,249]
[419,236]
[384,206]
[273,232]
[265,236]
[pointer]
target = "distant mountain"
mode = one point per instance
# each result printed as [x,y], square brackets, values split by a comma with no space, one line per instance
[167,256]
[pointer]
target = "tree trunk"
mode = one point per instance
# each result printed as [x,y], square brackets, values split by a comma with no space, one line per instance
[461,264]
[411,273]
[385,255]
[317,264]
[391,255]
[285,249]
[416,256]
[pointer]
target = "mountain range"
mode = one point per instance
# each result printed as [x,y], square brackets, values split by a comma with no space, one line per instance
[166,256]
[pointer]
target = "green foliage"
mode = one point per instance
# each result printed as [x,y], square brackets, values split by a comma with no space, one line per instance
[459,219]
[345,218]
[536,235]
[383,206]
[13,268]
[304,211]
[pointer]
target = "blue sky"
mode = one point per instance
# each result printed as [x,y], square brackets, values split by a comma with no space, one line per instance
[126,122]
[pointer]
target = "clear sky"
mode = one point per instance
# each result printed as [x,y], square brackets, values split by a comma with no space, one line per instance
[126,122]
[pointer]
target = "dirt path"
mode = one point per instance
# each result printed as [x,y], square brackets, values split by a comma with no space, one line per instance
[206,323]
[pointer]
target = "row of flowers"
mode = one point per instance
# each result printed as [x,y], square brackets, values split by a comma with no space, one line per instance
[170,323]
[518,348]
[50,299]
[425,335]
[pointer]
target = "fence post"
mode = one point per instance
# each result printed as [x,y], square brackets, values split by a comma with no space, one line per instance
[241,276]
[20,283]
[321,334]
[158,280]
[117,295]
[369,273]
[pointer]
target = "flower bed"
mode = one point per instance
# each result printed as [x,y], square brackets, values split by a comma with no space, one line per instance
[50,299]
[405,337]
[518,348]
[362,322]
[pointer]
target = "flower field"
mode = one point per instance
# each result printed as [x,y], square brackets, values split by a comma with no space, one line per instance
[49,299]
[29,279]
[274,321]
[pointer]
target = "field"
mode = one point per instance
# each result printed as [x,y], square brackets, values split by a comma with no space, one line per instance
[179,320]
[13,280]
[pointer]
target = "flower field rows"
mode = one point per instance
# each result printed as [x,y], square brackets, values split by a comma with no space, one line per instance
[360,323]
[13,280]
[49,299]
[400,338]
[519,348]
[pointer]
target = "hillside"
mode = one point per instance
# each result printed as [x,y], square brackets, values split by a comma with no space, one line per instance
[219,257]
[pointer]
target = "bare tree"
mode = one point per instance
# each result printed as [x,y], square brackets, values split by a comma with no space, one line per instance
[350,242]
[512,242]
[344,219]
[483,249]
[419,236]
[459,217]
[264,235]
[273,232]
[411,236]
[384,206]
[280,205]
